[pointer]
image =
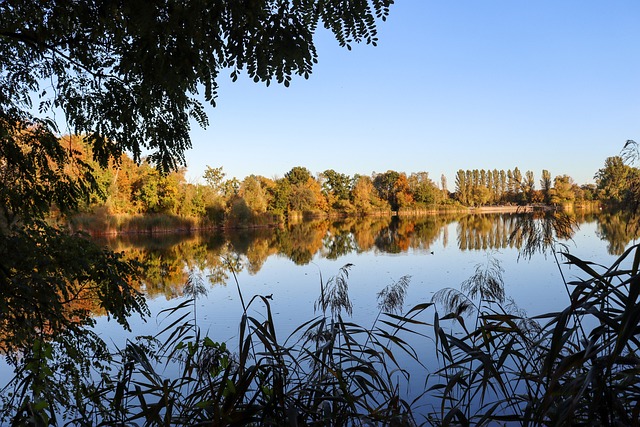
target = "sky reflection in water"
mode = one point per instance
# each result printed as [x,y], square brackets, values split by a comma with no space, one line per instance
[437,252]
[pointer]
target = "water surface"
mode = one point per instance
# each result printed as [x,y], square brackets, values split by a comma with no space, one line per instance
[288,264]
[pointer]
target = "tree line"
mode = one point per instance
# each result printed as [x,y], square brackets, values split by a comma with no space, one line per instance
[499,187]
[126,187]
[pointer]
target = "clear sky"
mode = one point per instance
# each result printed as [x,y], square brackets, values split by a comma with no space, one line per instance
[452,84]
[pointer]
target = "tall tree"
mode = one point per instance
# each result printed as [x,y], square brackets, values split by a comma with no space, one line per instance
[214,177]
[462,187]
[562,191]
[298,175]
[305,191]
[364,195]
[385,184]
[125,75]
[402,192]
[503,185]
[614,180]
[335,184]
[528,186]
[444,187]
[253,193]
[545,185]
[517,180]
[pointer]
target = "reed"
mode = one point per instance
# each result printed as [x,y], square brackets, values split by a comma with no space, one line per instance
[576,366]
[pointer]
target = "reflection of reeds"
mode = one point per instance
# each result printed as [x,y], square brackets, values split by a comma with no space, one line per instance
[101,224]
[543,235]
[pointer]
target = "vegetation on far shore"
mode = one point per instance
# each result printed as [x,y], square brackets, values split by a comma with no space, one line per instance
[132,197]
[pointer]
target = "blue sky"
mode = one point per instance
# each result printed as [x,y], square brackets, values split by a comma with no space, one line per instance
[451,85]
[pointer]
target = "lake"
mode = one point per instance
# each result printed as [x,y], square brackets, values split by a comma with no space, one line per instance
[289,266]
[289,263]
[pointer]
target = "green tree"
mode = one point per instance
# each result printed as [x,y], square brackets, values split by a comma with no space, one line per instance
[462,187]
[298,175]
[503,186]
[496,190]
[305,194]
[214,177]
[423,189]
[145,190]
[517,182]
[589,191]
[254,195]
[545,185]
[614,180]
[336,187]
[126,75]
[365,196]
[337,184]
[562,191]
[385,184]
[279,196]
[528,186]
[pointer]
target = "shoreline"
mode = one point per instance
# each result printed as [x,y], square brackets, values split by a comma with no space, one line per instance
[184,226]
[514,209]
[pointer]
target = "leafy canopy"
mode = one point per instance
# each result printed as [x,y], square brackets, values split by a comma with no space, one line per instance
[128,74]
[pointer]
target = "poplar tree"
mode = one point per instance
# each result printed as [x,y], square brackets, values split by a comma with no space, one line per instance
[545,185]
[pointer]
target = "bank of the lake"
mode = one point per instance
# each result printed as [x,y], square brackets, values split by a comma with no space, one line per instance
[102,223]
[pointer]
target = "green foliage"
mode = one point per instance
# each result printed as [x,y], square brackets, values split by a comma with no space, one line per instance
[279,200]
[127,188]
[423,189]
[385,183]
[126,74]
[33,173]
[298,175]
[336,184]
[49,271]
[491,187]
[214,177]
[50,283]
[562,191]
[616,182]
[49,279]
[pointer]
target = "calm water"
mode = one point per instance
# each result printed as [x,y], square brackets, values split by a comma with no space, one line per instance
[289,263]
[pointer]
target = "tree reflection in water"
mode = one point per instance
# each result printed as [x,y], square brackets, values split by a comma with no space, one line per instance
[619,228]
[166,260]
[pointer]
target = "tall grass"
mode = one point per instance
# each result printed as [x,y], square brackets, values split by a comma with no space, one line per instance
[576,366]
[327,372]
[103,223]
